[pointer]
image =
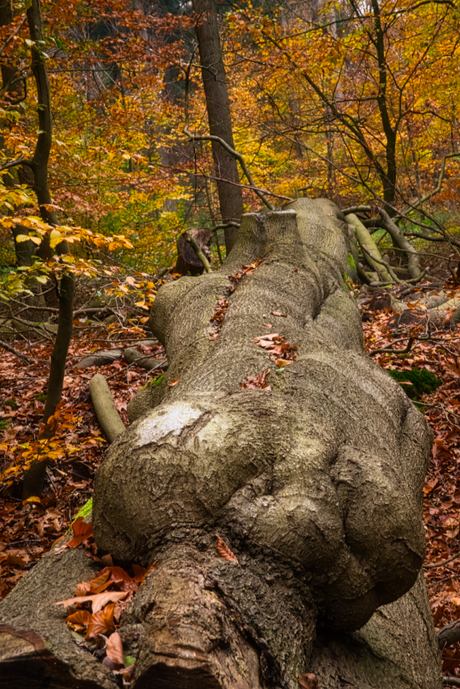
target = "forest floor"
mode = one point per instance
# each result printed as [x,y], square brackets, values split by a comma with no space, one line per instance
[29,528]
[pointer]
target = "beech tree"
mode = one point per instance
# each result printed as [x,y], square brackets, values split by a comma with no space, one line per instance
[273,430]
[219,117]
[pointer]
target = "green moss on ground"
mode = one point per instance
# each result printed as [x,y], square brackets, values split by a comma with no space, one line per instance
[416,382]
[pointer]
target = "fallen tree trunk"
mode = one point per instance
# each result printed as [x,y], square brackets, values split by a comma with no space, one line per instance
[272,429]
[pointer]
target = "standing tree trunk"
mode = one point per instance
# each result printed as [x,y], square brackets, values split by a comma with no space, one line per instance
[34,478]
[39,163]
[220,123]
[273,429]
[24,250]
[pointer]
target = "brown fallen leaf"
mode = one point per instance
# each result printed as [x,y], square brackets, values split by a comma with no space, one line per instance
[79,620]
[97,601]
[101,622]
[107,560]
[17,558]
[114,649]
[224,551]
[81,532]
[257,382]
[308,681]
[100,583]
[140,572]
[83,589]
[281,363]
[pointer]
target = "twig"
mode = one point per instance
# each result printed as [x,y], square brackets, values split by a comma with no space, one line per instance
[235,154]
[223,226]
[356,209]
[444,562]
[412,281]
[436,190]
[193,243]
[251,187]
[36,327]
[164,364]
[432,285]
[395,351]
[19,161]
[16,352]
[453,681]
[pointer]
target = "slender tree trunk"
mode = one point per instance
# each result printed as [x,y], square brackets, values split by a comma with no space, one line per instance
[34,478]
[43,147]
[390,131]
[218,107]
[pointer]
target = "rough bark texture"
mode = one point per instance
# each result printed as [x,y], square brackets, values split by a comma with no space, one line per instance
[36,649]
[315,484]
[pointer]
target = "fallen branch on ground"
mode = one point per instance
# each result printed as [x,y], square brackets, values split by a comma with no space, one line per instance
[16,352]
[106,412]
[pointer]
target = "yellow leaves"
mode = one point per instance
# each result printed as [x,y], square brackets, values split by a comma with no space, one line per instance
[55,238]
[141,304]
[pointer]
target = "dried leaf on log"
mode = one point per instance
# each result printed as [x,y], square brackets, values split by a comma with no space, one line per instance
[79,620]
[98,601]
[308,681]
[81,532]
[114,649]
[224,551]
[101,622]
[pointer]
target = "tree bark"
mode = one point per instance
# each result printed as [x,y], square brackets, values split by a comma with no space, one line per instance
[35,476]
[106,412]
[307,459]
[220,123]
[44,140]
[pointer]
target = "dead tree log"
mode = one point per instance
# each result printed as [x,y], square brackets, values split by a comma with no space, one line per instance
[273,429]
[188,260]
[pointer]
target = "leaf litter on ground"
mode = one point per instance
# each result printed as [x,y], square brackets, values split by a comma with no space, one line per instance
[28,529]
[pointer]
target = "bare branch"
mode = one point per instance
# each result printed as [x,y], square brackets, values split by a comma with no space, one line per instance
[19,161]
[235,154]
[443,562]
[414,205]
[196,247]
[387,350]
[383,263]
[13,34]
[16,352]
